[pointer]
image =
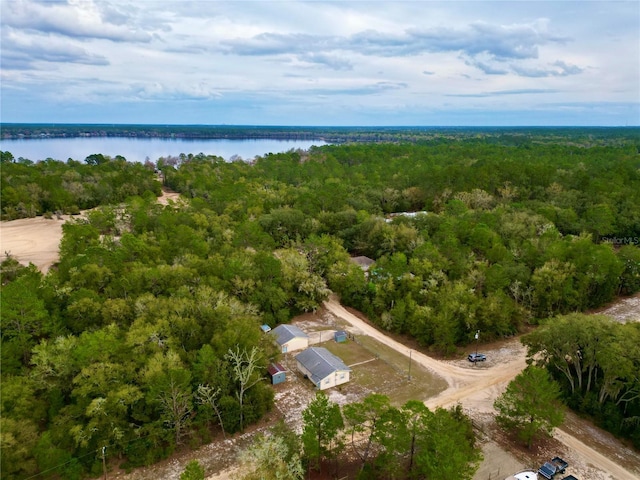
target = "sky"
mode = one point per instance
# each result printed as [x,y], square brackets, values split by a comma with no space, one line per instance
[321,63]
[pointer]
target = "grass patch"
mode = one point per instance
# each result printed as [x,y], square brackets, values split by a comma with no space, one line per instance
[349,352]
[388,371]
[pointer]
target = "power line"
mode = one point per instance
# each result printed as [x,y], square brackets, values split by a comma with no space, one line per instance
[93,452]
[61,465]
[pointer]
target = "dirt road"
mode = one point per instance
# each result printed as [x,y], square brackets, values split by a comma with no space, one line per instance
[476,388]
[37,240]
[464,382]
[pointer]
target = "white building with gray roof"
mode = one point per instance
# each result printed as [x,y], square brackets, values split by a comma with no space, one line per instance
[290,338]
[322,367]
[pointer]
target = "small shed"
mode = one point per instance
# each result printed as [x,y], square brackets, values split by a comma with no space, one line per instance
[340,336]
[265,328]
[290,338]
[277,373]
[363,262]
[322,367]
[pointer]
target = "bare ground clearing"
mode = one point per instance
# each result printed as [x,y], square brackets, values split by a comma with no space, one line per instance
[37,240]
[32,240]
[623,309]
[593,454]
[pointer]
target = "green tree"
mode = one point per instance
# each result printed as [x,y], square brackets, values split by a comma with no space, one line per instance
[269,458]
[369,418]
[23,316]
[169,386]
[571,344]
[446,448]
[193,471]
[306,289]
[17,441]
[207,395]
[630,277]
[530,406]
[553,289]
[320,432]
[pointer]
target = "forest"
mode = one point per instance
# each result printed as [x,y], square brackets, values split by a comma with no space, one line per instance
[330,134]
[408,441]
[142,335]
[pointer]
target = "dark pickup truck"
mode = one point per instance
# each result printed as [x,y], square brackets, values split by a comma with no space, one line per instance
[551,468]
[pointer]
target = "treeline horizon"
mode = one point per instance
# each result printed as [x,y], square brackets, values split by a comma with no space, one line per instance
[150,302]
[330,134]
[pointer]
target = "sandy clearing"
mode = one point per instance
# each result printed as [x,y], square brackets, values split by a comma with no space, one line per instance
[37,240]
[605,467]
[168,195]
[624,309]
[32,240]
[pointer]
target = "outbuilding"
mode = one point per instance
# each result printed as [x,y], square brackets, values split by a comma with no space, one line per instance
[322,367]
[290,338]
[363,262]
[277,373]
[340,336]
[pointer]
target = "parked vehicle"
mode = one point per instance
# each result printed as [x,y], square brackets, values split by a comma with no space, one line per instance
[569,477]
[477,357]
[553,467]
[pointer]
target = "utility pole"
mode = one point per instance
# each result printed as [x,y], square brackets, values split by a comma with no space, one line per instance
[104,462]
[410,351]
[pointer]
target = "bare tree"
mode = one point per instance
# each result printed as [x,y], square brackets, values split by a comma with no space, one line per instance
[243,367]
[176,399]
[207,395]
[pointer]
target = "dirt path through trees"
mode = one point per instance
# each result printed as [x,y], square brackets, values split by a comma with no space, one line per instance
[464,382]
[476,388]
[37,240]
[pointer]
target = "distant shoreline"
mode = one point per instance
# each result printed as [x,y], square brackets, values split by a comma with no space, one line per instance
[329,134]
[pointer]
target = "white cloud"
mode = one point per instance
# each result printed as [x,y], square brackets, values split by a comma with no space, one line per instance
[77,18]
[295,58]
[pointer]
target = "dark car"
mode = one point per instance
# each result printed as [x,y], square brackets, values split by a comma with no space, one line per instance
[569,477]
[477,357]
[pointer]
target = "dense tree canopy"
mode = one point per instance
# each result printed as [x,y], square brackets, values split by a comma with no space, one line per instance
[52,186]
[125,342]
[389,442]
[596,361]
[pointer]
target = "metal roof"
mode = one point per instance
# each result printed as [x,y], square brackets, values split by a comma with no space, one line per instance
[320,362]
[275,368]
[284,333]
[364,262]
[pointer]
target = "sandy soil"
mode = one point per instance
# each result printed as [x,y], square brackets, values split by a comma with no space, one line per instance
[476,387]
[32,240]
[37,240]
[168,195]
[623,310]
[592,453]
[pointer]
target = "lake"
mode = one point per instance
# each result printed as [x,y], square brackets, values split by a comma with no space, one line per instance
[139,149]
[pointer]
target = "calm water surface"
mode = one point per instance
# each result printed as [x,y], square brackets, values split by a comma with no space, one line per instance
[141,149]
